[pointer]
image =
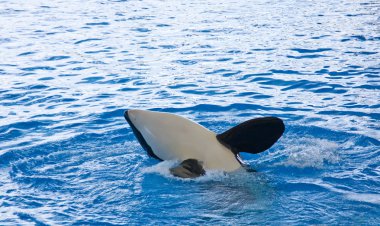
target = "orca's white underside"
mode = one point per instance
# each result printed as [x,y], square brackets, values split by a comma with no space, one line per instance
[172,137]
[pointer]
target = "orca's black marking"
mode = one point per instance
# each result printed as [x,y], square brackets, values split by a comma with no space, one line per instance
[140,137]
[253,136]
[189,168]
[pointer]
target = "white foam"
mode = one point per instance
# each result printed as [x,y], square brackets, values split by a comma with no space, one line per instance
[309,152]
[162,168]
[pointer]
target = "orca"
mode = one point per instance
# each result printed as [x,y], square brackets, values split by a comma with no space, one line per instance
[167,136]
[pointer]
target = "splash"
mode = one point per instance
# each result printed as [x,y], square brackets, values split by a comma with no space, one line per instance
[310,152]
[162,168]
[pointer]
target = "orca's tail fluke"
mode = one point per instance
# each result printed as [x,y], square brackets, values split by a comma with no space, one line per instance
[253,136]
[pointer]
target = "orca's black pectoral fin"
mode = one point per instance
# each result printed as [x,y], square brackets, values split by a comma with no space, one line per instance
[253,136]
[189,168]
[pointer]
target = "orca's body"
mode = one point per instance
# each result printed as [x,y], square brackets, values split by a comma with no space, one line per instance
[171,137]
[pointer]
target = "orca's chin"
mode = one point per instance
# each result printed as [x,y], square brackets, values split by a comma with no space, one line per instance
[130,116]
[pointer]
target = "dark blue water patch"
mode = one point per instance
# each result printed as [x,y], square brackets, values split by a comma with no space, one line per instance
[8,65]
[290,72]
[92,79]
[126,60]
[299,50]
[168,46]
[67,75]
[239,62]
[188,52]
[27,73]
[186,62]
[374,38]
[262,96]
[204,30]
[98,24]
[54,58]
[30,219]
[141,18]
[205,46]
[5,40]
[234,51]
[246,76]
[141,29]
[322,71]
[360,38]
[10,133]
[329,90]
[87,40]
[128,89]
[63,100]
[318,87]
[80,68]
[44,68]
[306,56]
[320,37]
[355,66]
[74,62]
[121,80]
[52,33]
[105,95]
[357,105]
[279,82]
[148,47]
[97,51]
[224,59]
[32,87]
[346,73]
[228,74]
[263,49]
[13,96]
[163,25]
[26,53]
[96,62]
[370,87]
[218,71]
[355,15]
[361,53]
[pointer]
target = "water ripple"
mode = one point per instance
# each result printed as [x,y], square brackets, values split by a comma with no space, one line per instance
[68,72]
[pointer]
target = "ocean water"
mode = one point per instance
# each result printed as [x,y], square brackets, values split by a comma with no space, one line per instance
[69,69]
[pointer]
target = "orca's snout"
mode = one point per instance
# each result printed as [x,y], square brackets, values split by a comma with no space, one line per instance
[133,118]
[130,116]
[126,116]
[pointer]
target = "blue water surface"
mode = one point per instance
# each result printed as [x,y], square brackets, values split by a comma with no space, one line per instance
[69,69]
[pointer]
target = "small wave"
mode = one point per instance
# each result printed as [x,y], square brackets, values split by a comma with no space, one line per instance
[355,196]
